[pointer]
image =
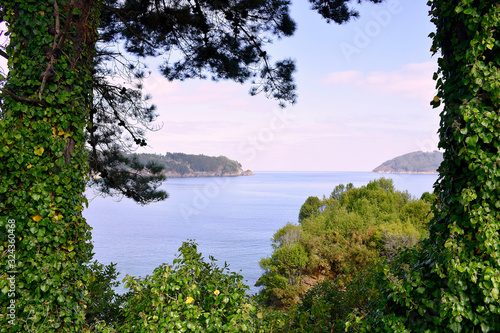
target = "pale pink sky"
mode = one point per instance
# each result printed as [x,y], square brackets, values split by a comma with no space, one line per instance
[364,93]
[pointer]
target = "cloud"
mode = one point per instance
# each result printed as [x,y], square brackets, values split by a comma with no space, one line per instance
[412,81]
[346,77]
[188,128]
[191,95]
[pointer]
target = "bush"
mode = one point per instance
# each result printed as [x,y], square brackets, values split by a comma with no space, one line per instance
[284,268]
[309,208]
[190,296]
[329,305]
[105,303]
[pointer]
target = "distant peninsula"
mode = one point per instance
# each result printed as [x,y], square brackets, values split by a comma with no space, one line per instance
[418,162]
[179,165]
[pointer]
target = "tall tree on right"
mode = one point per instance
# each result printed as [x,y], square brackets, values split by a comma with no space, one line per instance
[453,284]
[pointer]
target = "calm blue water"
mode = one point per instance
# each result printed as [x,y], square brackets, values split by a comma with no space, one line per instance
[232,219]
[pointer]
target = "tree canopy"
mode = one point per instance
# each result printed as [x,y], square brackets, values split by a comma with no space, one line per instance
[221,40]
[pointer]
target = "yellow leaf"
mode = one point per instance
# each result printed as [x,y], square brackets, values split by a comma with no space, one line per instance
[39,151]
[60,133]
[41,12]
[37,218]
[29,166]
[189,300]
[436,99]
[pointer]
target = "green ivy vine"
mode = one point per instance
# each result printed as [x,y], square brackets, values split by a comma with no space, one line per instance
[45,104]
[453,285]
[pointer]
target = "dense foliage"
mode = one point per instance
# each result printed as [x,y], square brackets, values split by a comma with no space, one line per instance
[191,295]
[105,304]
[357,226]
[330,305]
[45,104]
[454,280]
[309,208]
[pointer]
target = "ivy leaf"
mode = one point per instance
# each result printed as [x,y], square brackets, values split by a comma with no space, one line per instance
[39,151]
[37,218]
[494,291]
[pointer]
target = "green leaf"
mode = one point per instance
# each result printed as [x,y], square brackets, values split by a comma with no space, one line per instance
[456,327]
[494,292]
[471,140]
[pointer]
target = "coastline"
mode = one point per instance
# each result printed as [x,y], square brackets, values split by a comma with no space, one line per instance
[201,174]
[407,172]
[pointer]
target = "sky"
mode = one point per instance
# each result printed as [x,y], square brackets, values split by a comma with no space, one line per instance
[363,97]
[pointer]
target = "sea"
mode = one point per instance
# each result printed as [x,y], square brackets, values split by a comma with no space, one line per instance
[230,218]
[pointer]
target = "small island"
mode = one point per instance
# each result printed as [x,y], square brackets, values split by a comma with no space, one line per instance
[180,165]
[418,162]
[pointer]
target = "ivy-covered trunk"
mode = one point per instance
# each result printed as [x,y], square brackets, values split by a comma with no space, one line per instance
[44,110]
[454,285]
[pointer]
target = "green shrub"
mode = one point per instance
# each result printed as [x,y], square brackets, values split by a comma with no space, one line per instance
[190,296]
[309,208]
[284,268]
[104,303]
[329,305]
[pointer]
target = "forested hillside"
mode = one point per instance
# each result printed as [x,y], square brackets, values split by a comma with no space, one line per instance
[186,165]
[416,162]
[324,263]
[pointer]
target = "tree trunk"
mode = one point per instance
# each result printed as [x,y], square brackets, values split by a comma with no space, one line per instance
[453,284]
[45,106]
